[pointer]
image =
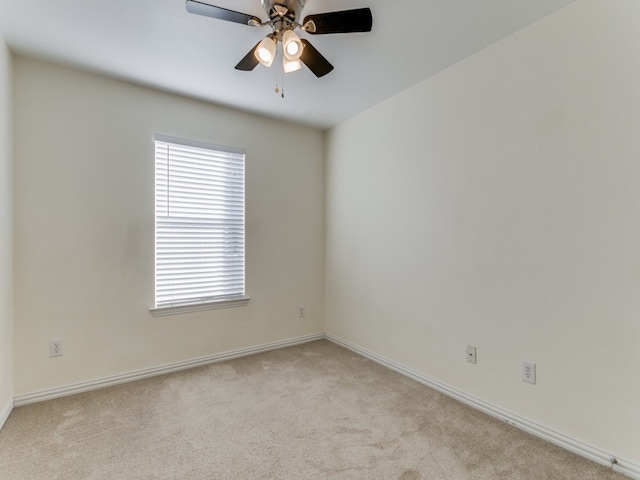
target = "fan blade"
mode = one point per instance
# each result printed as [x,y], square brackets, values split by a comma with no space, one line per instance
[347,21]
[249,62]
[313,59]
[220,13]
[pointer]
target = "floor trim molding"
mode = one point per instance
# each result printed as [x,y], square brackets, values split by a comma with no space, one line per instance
[5,412]
[603,458]
[111,380]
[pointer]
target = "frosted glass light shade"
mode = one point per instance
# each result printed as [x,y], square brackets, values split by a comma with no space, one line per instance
[291,45]
[290,65]
[266,51]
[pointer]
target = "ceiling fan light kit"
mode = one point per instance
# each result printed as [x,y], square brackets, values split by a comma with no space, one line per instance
[284,17]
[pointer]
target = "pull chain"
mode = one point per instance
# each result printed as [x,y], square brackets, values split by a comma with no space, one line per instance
[277,89]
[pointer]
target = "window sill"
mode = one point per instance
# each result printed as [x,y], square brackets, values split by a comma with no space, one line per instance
[199,307]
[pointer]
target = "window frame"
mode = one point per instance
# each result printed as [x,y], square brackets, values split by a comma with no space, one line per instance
[215,302]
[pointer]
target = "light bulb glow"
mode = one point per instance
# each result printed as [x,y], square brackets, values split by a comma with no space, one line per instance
[292,48]
[264,55]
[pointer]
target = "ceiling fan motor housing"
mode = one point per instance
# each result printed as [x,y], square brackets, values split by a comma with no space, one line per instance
[293,8]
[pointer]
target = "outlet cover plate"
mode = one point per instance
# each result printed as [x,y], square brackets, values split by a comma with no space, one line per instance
[529,372]
[56,348]
[471,354]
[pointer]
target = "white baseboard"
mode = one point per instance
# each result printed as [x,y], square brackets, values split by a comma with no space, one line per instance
[109,381]
[603,458]
[5,412]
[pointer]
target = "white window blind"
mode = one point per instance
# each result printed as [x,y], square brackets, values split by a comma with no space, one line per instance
[199,222]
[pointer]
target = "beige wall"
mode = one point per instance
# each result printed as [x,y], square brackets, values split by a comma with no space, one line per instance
[498,204]
[6,233]
[84,193]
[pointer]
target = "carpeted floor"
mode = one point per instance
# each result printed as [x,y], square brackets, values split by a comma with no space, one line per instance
[314,411]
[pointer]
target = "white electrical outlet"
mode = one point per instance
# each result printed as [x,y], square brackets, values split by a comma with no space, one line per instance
[471,354]
[56,348]
[300,311]
[529,372]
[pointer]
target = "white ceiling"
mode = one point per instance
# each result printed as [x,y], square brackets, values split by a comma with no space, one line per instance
[158,43]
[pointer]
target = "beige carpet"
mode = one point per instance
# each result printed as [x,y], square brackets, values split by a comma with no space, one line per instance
[314,411]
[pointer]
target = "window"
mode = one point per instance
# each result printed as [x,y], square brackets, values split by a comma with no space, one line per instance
[199,212]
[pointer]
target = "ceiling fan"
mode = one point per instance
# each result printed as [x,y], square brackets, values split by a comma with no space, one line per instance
[284,16]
